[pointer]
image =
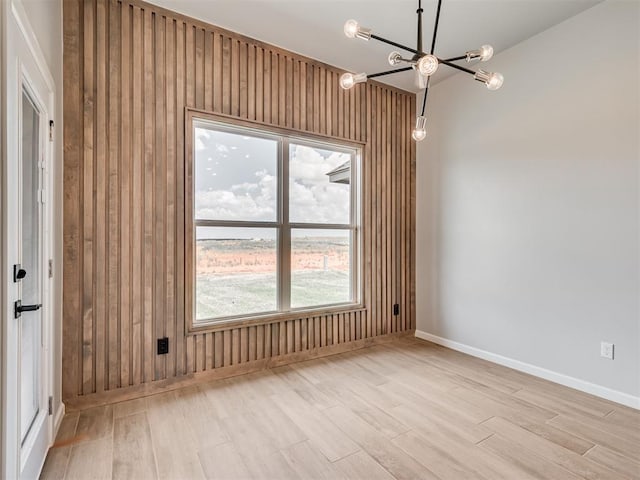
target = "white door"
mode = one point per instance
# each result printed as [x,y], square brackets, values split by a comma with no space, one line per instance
[33,390]
[28,99]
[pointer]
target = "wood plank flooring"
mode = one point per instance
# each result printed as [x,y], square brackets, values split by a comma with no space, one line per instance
[406,410]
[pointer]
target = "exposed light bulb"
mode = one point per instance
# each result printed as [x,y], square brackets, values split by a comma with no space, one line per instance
[352,29]
[428,65]
[493,81]
[483,54]
[486,52]
[395,58]
[348,80]
[420,132]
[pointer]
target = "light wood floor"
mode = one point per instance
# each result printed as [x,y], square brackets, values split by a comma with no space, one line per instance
[408,410]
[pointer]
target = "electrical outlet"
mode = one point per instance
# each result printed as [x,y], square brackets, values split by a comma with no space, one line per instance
[163,346]
[606,350]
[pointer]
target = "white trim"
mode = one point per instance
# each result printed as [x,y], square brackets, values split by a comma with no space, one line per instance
[3,236]
[22,20]
[57,420]
[562,379]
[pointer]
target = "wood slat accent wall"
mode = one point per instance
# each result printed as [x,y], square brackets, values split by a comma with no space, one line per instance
[130,69]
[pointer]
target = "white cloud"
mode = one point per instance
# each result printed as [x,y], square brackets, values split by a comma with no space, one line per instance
[313,198]
[245,201]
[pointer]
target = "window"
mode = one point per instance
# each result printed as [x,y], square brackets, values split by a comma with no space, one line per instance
[275,223]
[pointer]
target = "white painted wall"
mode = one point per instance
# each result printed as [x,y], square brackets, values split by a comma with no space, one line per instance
[528,207]
[45,17]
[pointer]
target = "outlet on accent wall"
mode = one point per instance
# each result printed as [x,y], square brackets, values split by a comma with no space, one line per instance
[606,350]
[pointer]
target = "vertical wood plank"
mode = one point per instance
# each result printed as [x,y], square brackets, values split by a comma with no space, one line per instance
[253,343]
[170,199]
[243,80]
[384,254]
[304,334]
[226,75]
[137,197]
[289,88]
[338,108]
[244,345]
[235,77]
[114,235]
[159,205]
[218,348]
[324,335]
[282,341]
[296,94]
[148,351]
[275,340]
[260,84]
[304,89]
[209,351]
[200,352]
[267,341]
[87,209]
[275,88]
[180,360]
[73,274]
[218,68]
[260,341]
[412,227]
[100,200]
[208,70]
[199,67]
[125,220]
[318,334]
[226,348]
[251,82]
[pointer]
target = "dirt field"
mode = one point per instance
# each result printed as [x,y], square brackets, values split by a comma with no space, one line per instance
[247,256]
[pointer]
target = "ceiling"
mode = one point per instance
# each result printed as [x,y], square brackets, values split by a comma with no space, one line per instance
[314,27]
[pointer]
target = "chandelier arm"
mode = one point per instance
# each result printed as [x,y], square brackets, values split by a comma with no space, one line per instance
[435,28]
[457,67]
[424,99]
[455,59]
[389,72]
[389,42]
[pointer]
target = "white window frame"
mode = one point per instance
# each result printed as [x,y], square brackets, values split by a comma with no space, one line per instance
[282,225]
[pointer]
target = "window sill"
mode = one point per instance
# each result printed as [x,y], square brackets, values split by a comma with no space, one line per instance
[249,321]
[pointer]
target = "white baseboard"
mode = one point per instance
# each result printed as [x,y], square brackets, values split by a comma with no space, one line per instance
[57,420]
[567,381]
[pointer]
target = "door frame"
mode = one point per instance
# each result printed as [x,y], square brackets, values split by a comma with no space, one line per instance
[12,78]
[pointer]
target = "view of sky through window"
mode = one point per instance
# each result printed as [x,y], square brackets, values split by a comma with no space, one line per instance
[236,178]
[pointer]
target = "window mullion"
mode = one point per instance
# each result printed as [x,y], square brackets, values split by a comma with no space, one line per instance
[285,231]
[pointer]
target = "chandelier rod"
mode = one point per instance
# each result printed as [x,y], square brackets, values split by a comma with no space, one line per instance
[399,45]
[419,43]
[457,67]
[433,47]
[388,72]
[424,99]
[435,28]
[455,59]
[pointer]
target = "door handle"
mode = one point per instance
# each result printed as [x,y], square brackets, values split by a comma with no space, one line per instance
[18,308]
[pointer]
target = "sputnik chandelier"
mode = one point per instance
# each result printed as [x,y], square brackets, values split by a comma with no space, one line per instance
[424,64]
